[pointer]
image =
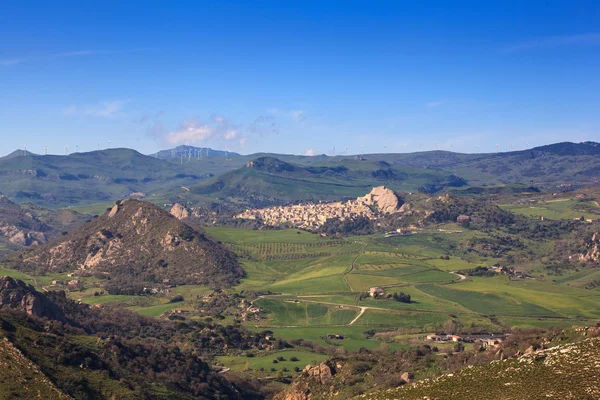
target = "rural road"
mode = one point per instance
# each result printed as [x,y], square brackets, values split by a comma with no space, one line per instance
[362,311]
[462,277]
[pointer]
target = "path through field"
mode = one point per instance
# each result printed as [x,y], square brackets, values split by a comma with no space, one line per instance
[362,311]
[352,267]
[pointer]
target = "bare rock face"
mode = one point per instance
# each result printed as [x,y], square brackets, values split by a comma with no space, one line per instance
[384,199]
[407,377]
[179,211]
[113,211]
[21,237]
[593,253]
[313,378]
[18,296]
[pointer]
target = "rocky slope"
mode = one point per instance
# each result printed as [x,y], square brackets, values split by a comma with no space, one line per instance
[23,225]
[564,372]
[136,240]
[108,354]
[18,296]
[20,377]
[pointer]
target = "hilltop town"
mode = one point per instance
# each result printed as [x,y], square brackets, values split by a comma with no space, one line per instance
[380,200]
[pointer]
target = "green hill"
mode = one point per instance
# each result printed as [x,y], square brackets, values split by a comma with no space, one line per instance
[88,177]
[269,180]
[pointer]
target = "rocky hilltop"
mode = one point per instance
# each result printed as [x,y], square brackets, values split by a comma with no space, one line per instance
[18,296]
[136,241]
[380,200]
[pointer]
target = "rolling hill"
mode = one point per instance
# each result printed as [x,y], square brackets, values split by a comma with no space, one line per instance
[269,180]
[108,175]
[88,177]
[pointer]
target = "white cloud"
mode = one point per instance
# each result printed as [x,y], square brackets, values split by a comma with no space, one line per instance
[556,41]
[189,132]
[309,152]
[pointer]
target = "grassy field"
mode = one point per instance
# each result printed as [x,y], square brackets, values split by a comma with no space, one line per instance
[322,291]
[287,361]
[558,209]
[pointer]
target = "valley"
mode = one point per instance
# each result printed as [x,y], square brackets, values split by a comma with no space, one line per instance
[336,265]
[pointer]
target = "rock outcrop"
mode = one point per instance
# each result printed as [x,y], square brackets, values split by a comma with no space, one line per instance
[386,200]
[314,383]
[18,296]
[179,211]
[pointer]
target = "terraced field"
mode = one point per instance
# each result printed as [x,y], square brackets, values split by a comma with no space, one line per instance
[321,280]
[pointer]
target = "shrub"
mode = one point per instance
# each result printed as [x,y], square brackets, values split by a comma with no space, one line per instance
[176,299]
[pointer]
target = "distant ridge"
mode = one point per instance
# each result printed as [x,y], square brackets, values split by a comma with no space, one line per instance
[191,151]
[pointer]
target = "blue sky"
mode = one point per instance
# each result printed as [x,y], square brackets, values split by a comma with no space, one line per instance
[298,77]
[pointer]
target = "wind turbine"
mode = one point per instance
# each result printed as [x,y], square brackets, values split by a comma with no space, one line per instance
[497,148]
[98,146]
[66,150]
[109,142]
[46,149]
[76,148]
[25,151]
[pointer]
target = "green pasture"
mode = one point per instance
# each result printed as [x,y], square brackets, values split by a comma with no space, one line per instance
[288,312]
[264,363]
[558,209]
[354,336]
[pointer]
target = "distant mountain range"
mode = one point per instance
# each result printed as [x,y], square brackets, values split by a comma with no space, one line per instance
[168,176]
[179,153]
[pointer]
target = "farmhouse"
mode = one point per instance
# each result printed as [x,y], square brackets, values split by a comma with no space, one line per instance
[376,291]
[435,338]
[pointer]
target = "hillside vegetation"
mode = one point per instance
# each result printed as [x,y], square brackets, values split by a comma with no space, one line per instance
[565,371]
[135,244]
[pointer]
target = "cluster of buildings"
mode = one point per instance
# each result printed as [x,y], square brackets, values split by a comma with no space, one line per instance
[487,341]
[314,215]
[308,216]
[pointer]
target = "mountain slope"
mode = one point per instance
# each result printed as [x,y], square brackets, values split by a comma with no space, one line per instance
[20,377]
[176,153]
[27,224]
[567,372]
[136,244]
[268,180]
[89,177]
[110,354]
